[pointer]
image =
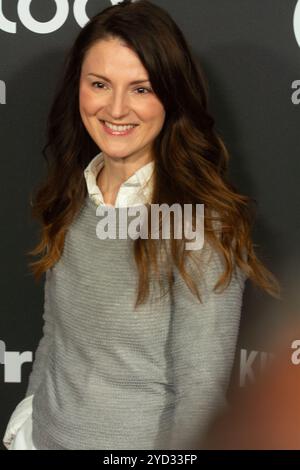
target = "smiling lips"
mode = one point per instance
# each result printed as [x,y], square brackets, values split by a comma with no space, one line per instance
[111,131]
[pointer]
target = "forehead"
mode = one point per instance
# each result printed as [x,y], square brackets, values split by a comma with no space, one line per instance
[112,57]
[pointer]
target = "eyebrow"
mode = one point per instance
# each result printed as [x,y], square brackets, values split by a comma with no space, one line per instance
[108,80]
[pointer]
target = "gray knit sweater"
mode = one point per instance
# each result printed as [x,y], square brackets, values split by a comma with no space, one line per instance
[108,377]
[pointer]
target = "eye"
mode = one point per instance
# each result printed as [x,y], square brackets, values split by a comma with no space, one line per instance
[149,90]
[94,83]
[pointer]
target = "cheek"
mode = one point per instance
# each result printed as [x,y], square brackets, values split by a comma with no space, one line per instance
[155,112]
[87,102]
[156,118]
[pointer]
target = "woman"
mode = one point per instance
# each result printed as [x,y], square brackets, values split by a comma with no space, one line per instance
[117,368]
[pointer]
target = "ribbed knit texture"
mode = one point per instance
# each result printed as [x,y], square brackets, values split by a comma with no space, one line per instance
[108,377]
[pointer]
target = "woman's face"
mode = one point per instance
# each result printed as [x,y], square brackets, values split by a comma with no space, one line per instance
[117,100]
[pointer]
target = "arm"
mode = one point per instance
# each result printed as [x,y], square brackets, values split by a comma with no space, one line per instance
[41,354]
[24,407]
[203,344]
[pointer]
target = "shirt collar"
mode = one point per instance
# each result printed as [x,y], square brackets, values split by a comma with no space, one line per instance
[136,190]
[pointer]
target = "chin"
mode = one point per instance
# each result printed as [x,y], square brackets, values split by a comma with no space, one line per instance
[117,153]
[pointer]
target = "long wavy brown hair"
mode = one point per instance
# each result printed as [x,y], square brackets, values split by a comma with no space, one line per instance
[190,157]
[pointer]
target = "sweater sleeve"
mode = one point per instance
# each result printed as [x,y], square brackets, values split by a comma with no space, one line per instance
[203,342]
[41,352]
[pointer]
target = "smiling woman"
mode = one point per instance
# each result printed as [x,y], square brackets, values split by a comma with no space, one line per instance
[118,367]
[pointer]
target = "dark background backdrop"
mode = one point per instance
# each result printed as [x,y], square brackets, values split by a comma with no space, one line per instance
[251,58]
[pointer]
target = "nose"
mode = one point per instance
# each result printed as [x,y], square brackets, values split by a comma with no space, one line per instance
[118,104]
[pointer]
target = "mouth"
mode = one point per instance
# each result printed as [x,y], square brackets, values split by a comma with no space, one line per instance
[115,132]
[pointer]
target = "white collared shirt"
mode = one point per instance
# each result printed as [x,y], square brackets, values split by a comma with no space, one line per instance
[134,191]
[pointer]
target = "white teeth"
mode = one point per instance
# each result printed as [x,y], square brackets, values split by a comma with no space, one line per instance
[118,128]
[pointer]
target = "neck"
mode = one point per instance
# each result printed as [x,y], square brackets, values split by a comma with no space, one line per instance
[116,171]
